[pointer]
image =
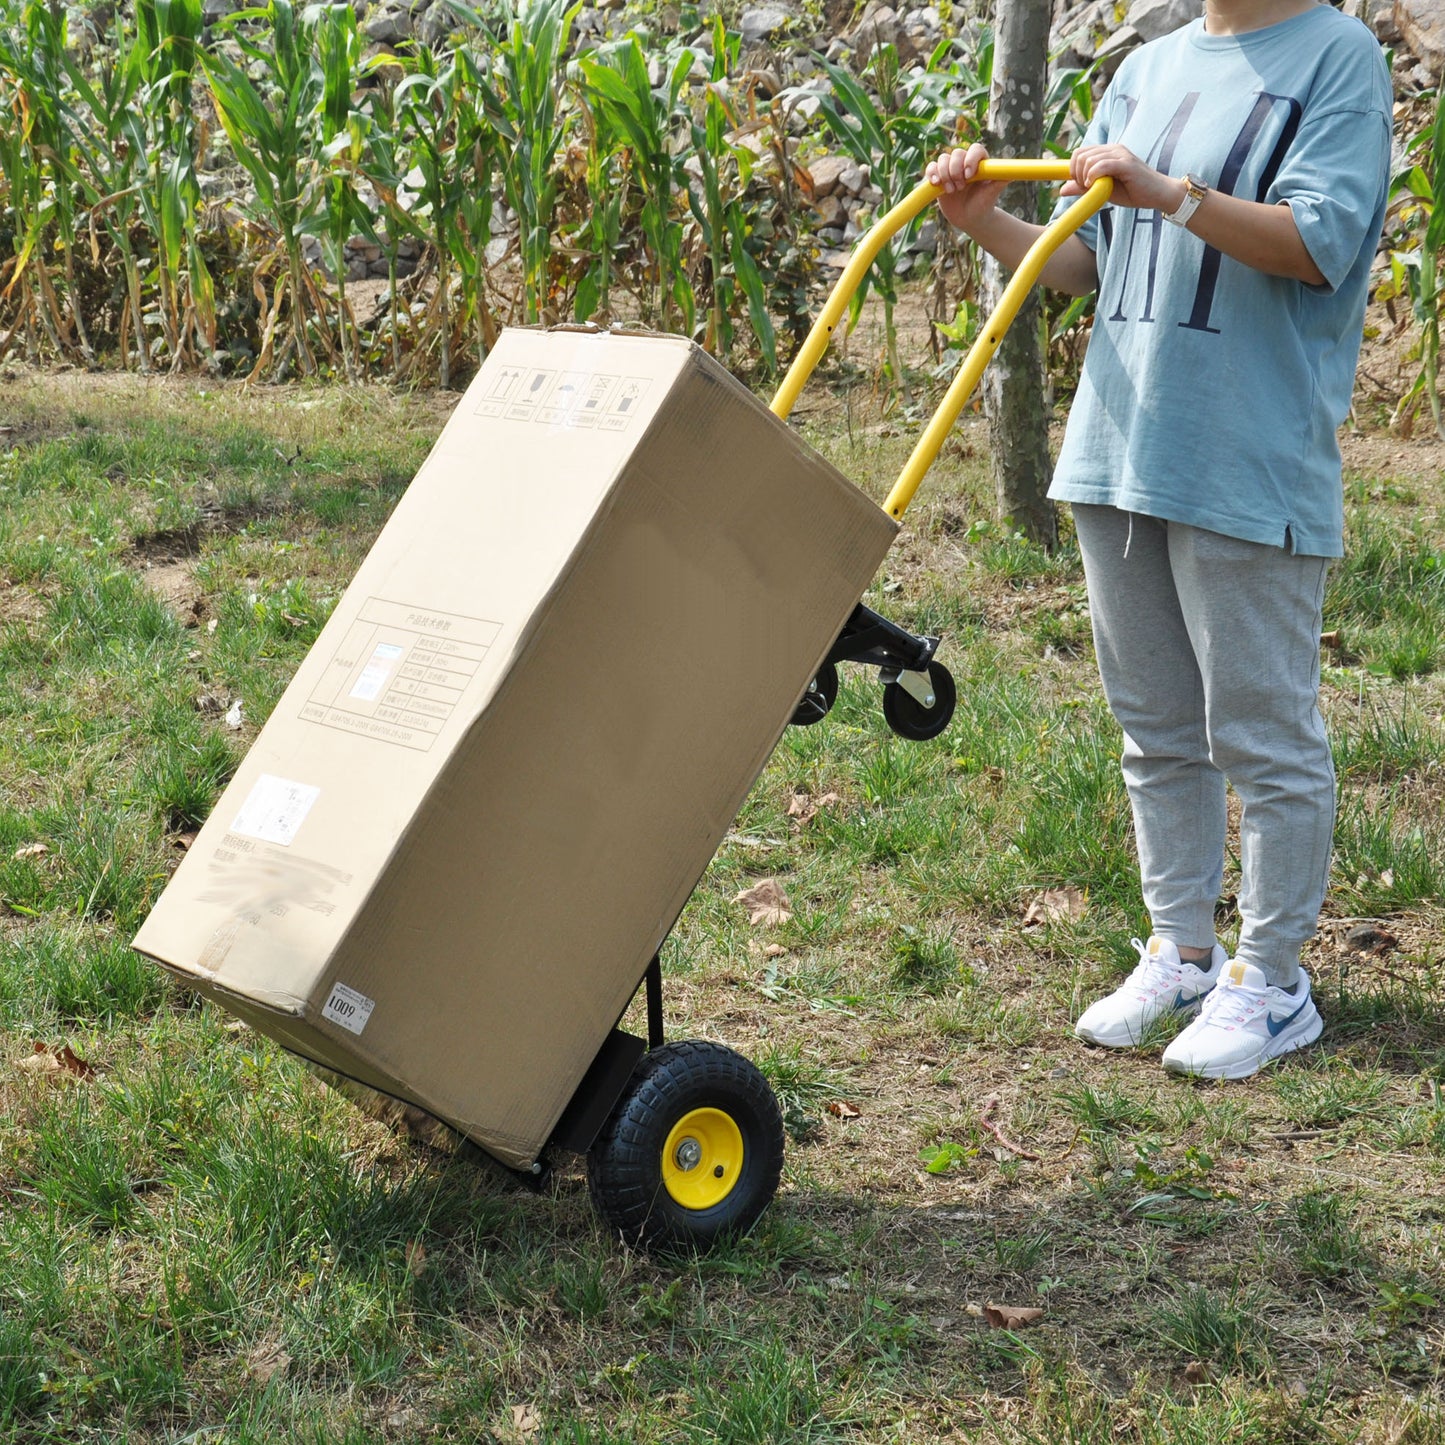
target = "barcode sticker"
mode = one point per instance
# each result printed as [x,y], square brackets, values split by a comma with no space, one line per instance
[348,1008]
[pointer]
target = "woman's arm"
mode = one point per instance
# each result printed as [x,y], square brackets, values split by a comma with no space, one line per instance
[1259,235]
[1262,236]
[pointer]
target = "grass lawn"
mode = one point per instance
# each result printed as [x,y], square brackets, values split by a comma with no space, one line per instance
[200,1242]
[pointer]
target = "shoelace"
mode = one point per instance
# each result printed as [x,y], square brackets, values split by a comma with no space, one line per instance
[1149,974]
[1231,1004]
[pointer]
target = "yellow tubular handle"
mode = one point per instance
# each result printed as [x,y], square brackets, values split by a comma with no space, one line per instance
[981,353]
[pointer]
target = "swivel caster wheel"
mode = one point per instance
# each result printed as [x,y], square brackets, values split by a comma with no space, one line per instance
[911,717]
[817,702]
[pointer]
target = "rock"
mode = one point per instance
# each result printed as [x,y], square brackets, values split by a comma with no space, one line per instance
[830,212]
[827,172]
[762,22]
[1422,25]
[1078,35]
[1116,47]
[1153,18]
[1371,938]
[436,24]
[878,26]
[390,23]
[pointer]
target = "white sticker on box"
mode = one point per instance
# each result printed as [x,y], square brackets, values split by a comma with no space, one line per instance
[274,809]
[378,668]
[348,1008]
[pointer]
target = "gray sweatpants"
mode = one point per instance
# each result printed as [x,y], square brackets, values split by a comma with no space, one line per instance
[1208,648]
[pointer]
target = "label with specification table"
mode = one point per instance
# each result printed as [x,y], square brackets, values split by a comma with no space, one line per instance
[400,673]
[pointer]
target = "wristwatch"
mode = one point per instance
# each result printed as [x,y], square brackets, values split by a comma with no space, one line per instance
[1194,192]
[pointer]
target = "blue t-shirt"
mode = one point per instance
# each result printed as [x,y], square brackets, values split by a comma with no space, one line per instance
[1211,393]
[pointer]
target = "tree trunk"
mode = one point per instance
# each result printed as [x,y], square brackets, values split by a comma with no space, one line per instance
[1013,386]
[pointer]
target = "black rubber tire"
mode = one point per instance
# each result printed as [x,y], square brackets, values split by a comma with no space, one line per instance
[909,718]
[624,1166]
[817,702]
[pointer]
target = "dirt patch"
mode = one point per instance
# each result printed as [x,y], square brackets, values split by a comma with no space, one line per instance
[172,580]
[19,603]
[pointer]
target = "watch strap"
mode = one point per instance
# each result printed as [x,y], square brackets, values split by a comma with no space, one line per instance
[1194,192]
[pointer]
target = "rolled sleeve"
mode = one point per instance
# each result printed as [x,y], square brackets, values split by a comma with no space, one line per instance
[1331,182]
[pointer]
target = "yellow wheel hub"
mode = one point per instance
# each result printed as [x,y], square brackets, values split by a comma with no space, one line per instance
[702,1159]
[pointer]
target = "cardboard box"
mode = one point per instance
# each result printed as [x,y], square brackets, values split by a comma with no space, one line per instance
[486,795]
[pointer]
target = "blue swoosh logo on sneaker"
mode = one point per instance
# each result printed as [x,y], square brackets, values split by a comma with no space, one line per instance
[1278,1026]
[1183,1000]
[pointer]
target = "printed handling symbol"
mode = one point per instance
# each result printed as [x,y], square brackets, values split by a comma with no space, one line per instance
[538,381]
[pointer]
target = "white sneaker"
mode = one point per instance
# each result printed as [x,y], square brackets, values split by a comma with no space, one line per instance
[1244,1023]
[1161,984]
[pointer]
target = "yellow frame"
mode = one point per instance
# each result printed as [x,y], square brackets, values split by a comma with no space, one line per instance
[983,348]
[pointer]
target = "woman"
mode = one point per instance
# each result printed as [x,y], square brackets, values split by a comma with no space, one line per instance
[1250,158]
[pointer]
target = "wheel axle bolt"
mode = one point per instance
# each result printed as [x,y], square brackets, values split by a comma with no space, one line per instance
[718,1172]
[689,1154]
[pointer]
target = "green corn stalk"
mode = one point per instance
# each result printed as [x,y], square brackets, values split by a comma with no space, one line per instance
[110,137]
[522,96]
[43,76]
[449,146]
[608,191]
[343,138]
[168,45]
[1418,200]
[385,165]
[273,131]
[25,207]
[895,141]
[723,172]
[468,229]
[649,120]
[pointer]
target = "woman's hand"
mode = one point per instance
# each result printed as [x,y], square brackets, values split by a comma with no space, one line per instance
[965,201]
[1135,184]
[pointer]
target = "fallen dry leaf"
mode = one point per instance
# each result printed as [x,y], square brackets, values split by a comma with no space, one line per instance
[1334,638]
[842,1110]
[775,950]
[415,1257]
[766,903]
[802,808]
[1011,1317]
[63,1060]
[1196,1372]
[1056,904]
[525,1419]
[267,1361]
[32,850]
[183,841]
[41,1061]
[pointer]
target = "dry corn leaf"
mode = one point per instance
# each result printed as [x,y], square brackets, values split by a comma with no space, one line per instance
[1011,1317]
[525,1419]
[1054,905]
[766,903]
